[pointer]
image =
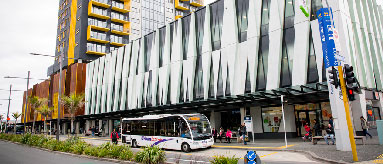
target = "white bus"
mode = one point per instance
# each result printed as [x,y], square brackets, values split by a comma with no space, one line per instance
[169,131]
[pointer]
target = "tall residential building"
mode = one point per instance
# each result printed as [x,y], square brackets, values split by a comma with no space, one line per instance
[88,29]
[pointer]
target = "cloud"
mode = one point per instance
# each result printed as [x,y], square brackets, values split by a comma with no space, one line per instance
[31,26]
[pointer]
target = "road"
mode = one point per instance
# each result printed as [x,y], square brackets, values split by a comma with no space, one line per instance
[16,154]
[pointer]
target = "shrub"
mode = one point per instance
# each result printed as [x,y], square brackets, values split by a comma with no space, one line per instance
[151,155]
[79,147]
[91,150]
[126,154]
[224,160]
[53,144]
[25,139]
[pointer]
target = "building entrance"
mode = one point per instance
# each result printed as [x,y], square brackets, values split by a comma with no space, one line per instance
[307,114]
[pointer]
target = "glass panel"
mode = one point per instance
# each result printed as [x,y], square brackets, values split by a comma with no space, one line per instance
[247,83]
[198,84]
[162,44]
[217,9]
[185,35]
[220,81]
[200,20]
[287,59]
[149,90]
[242,10]
[211,80]
[265,11]
[262,63]
[271,119]
[312,73]
[315,6]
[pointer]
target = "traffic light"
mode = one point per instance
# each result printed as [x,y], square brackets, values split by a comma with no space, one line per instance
[350,94]
[351,82]
[333,75]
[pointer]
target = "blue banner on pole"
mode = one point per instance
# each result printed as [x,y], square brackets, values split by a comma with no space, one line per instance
[327,37]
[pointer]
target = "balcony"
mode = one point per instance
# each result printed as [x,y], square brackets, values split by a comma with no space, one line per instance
[117,44]
[95,53]
[197,3]
[180,6]
[125,30]
[178,16]
[98,28]
[100,3]
[97,38]
[121,7]
[95,14]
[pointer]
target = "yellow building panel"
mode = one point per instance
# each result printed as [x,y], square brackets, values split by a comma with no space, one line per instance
[178,16]
[119,21]
[117,44]
[120,32]
[197,4]
[120,9]
[95,53]
[99,28]
[72,31]
[177,5]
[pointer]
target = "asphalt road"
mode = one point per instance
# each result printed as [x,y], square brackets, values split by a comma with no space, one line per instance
[16,154]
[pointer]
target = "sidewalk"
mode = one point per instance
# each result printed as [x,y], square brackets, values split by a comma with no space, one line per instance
[366,153]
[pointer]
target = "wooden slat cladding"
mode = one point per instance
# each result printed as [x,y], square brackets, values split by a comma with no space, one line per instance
[73,81]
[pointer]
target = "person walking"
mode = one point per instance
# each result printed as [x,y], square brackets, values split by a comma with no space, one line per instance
[214,134]
[244,132]
[221,134]
[364,125]
[228,135]
[316,128]
[93,131]
[114,136]
[330,133]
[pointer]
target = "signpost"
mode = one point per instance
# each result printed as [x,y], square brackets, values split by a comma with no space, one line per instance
[331,47]
[249,125]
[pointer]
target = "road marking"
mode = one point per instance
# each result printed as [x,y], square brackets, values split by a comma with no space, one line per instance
[268,154]
[245,147]
[189,160]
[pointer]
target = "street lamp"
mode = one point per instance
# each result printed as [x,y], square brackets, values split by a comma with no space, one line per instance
[60,58]
[26,96]
[9,104]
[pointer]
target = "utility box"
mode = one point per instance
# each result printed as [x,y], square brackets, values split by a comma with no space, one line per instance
[379,127]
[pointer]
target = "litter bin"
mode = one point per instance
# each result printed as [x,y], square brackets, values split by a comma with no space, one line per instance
[379,125]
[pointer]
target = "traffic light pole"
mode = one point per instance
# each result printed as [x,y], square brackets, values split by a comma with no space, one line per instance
[348,118]
[26,104]
[9,105]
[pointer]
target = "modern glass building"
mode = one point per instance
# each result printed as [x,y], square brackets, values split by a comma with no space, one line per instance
[89,29]
[236,58]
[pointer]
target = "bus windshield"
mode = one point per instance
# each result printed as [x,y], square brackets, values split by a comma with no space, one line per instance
[199,126]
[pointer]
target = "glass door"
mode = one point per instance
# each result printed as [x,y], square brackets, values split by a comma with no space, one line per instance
[301,121]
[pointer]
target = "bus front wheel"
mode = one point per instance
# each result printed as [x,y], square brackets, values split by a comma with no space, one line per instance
[134,143]
[185,147]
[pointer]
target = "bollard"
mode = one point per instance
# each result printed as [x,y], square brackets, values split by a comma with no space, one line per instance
[379,125]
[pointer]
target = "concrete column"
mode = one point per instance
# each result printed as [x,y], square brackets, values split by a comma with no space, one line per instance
[64,128]
[87,125]
[243,114]
[379,103]
[215,119]
[100,126]
[256,114]
[110,125]
[289,118]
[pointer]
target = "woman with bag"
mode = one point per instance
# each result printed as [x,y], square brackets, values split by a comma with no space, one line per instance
[364,125]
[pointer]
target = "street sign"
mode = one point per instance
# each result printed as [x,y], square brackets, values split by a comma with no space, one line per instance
[248,123]
[251,156]
[326,30]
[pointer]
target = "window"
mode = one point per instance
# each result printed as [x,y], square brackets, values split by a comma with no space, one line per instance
[162,33]
[287,57]
[216,23]
[185,35]
[148,50]
[200,21]
[262,63]
[315,6]
[271,118]
[312,73]
[242,21]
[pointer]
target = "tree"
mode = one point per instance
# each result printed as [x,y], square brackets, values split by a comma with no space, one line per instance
[16,115]
[73,103]
[35,102]
[45,111]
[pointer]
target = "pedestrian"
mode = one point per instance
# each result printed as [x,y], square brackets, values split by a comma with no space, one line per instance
[331,121]
[308,132]
[114,136]
[228,135]
[214,134]
[364,125]
[330,133]
[93,131]
[244,132]
[221,134]
[316,128]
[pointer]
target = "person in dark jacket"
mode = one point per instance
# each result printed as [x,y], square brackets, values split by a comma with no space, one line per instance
[214,131]
[244,132]
[114,136]
[330,133]
[331,121]
[317,128]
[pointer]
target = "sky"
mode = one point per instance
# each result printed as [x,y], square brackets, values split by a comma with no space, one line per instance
[28,26]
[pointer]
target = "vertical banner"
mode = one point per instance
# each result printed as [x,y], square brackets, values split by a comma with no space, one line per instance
[326,31]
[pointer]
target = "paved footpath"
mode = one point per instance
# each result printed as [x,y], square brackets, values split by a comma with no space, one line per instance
[11,153]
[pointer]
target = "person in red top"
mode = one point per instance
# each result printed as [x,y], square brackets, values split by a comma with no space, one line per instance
[114,136]
[228,135]
[308,132]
